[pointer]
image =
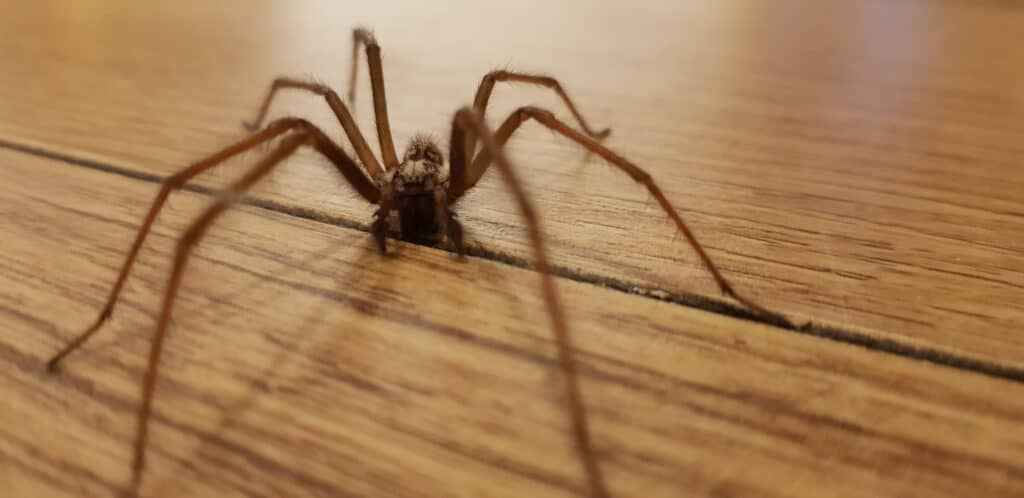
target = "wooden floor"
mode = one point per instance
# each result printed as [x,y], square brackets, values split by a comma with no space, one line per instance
[857,165]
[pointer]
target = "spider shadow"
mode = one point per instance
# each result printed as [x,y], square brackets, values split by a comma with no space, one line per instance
[212,447]
[288,353]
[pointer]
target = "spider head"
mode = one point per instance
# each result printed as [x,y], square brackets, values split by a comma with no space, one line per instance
[422,167]
[416,184]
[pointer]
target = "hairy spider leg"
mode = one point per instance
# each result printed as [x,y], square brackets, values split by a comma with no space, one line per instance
[178,180]
[380,102]
[380,105]
[460,181]
[362,148]
[479,165]
[468,119]
[304,134]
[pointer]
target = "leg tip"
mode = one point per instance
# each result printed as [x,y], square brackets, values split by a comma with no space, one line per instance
[382,242]
[764,314]
[379,231]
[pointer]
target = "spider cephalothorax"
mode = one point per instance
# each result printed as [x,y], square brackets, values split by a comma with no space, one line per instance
[422,168]
[413,197]
[415,204]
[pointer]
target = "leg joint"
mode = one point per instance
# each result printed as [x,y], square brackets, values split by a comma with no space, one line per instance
[289,123]
[314,87]
[364,35]
[534,112]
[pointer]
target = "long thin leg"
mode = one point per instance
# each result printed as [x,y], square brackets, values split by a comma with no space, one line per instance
[380,101]
[547,119]
[173,183]
[458,158]
[468,119]
[362,148]
[338,157]
[483,96]
[184,248]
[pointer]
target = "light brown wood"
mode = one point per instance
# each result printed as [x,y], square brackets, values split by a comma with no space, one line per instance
[304,364]
[854,163]
[851,163]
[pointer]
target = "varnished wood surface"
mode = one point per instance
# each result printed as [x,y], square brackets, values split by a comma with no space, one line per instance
[303,364]
[852,163]
[856,164]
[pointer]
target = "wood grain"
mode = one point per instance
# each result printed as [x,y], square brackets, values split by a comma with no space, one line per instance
[304,364]
[854,163]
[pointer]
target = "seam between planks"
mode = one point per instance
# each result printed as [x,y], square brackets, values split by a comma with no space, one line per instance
[703,303]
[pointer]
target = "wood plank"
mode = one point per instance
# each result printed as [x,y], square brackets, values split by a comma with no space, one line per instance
[854,165]
[301,363]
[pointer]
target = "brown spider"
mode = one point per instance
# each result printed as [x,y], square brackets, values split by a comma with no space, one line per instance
[419,191]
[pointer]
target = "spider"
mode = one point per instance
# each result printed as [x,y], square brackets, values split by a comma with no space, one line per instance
[414,198]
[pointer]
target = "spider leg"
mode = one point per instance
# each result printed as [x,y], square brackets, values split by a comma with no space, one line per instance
[309,136]
[362,148]
[546,118]
[468,119]
[344,164]
[380,102]
[184,247]
[483,96]
[448,225]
